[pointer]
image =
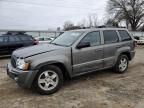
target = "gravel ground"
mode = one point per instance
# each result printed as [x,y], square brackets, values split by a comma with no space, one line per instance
[103,89]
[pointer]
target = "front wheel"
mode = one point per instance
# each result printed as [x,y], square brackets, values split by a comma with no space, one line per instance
[49,80]
[122,64]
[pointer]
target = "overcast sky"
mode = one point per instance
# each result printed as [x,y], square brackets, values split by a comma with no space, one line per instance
[44,14]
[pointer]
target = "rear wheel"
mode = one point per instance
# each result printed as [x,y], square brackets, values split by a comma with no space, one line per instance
[122,64]
[49,80]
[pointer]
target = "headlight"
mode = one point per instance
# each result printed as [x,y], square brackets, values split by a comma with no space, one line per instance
[21,64]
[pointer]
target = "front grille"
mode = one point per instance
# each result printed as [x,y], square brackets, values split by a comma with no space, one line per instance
[13,61]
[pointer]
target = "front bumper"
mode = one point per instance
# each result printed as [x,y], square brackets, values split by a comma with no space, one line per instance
[23,78]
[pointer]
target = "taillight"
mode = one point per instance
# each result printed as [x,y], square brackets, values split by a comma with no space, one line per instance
[135,43]
[36,42]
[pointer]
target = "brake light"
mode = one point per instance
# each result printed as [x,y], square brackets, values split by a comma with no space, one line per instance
[36,42]
[135,43]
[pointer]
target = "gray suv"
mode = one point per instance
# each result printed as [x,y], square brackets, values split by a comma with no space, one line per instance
[74,53]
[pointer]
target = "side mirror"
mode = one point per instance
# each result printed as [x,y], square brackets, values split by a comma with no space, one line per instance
[83,45]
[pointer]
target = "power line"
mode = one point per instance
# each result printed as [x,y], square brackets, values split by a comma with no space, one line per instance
[46,5]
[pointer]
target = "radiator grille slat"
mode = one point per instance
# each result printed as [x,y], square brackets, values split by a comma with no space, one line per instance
[13,61]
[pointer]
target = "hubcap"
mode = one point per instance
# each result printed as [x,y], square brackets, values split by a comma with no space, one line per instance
[48,80]
[123,64]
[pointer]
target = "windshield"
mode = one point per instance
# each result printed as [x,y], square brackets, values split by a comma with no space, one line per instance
[67,38]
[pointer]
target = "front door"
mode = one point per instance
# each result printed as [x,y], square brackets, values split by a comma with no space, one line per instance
[88,58]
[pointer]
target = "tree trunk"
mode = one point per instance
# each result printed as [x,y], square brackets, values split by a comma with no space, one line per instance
[133,27]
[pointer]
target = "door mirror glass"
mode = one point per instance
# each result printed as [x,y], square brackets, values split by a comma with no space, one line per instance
[83,45]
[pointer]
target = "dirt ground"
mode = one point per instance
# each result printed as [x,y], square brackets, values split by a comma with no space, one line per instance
[103,89]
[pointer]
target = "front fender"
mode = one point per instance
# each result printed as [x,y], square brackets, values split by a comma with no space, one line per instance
[44,64]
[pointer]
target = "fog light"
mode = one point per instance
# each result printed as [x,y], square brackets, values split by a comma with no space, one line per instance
[16,78]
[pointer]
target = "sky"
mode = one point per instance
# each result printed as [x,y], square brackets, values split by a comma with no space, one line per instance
[47,14]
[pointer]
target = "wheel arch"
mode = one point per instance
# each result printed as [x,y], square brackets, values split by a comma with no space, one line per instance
[63,68]
[127,54]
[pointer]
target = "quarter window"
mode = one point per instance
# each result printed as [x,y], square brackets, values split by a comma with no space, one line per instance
[14,38]
[110,36]
[93,38]
[1,39]
[124,35]
[25,38]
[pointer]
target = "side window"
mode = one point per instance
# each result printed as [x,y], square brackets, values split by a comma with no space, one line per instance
[17,38]
[93,37]
[124,35]
[14,38]
[110,36]
[5,38]
[1,39]
[30,38]
[25,38]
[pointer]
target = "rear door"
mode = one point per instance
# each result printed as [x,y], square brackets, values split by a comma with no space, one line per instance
[27,40]
[111,44]
[14,43]
[89,58]
[3,45]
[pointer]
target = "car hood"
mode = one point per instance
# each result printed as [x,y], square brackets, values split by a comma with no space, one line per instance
[35,50]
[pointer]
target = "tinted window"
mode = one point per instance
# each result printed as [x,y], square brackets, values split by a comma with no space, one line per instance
[110,36]
[5,38]
[25,38]
[93,38]
[1,39]
[124,35]
[14,38]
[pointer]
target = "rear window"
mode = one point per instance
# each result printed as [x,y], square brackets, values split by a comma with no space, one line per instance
[26,38]
[124,35]
[110,36]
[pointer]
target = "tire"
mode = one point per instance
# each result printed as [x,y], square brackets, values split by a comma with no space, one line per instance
[48,80]
[121,65]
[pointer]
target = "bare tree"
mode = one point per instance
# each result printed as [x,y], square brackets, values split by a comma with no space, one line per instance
[82,23]
[112,22]
[68,25]
[95,21]
[132,11]
[92,21]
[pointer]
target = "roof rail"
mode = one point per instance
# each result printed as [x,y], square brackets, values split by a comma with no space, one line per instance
[107,26]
